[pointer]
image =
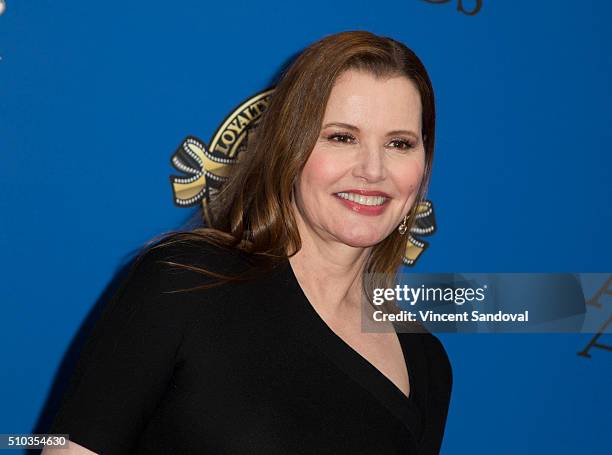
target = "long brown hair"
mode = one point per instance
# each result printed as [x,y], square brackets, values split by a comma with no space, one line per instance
[252,212]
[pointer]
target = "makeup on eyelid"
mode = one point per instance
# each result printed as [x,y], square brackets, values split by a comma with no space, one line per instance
[406,144]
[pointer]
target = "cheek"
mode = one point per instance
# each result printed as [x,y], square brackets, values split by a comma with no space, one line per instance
[409,177]
[321,171]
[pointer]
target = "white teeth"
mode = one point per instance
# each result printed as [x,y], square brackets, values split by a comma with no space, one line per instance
[363,200]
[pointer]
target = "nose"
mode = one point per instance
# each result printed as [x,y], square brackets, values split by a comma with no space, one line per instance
[369,163]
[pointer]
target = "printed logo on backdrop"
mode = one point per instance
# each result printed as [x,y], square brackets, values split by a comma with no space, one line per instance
[207,167]
[476,5]
[597,301]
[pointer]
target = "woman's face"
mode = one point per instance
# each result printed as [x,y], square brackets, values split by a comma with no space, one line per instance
[365,169]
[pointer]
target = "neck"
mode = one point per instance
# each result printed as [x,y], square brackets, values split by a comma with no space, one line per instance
[329,271]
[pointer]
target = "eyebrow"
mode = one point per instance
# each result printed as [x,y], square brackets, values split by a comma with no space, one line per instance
[354,128]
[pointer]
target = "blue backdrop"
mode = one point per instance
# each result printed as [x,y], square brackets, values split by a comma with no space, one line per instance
[95,97]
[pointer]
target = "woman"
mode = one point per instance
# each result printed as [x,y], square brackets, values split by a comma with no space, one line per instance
[244,337]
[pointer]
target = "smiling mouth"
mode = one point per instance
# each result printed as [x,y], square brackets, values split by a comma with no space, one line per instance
[361,199]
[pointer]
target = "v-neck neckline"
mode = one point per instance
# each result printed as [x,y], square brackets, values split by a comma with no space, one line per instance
[311,327]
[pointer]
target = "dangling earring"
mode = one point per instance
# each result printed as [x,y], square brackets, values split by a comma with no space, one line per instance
[403,227]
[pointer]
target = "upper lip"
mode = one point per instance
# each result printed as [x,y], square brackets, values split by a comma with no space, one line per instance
[366,192]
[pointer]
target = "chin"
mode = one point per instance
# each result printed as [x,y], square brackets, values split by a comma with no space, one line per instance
[361,240]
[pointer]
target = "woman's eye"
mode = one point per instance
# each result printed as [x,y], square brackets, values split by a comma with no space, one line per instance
[344,138]
[402,144]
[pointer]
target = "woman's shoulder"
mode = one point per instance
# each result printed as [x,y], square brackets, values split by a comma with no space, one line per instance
[440,367]
[189,246]
[439,385]
[435,349]
[172,277]
[437,359]
[188,257]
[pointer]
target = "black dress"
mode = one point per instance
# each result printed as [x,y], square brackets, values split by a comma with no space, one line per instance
[244,368]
